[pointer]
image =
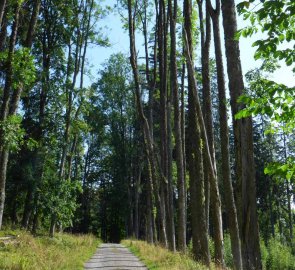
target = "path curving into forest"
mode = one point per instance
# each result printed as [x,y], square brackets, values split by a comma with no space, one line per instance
[114,256]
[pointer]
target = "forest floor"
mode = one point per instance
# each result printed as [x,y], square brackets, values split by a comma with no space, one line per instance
[22,251]
[114,256]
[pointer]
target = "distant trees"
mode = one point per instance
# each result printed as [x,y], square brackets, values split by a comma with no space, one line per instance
[42,59]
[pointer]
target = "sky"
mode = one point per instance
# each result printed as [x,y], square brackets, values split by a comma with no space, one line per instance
[112,27]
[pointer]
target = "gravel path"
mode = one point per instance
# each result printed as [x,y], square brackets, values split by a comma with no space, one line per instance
[114,256]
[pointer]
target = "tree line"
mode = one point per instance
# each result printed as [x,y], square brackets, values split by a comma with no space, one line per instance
[156,147]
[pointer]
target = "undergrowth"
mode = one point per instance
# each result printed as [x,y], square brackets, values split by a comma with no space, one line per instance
[63,252]
[158,258]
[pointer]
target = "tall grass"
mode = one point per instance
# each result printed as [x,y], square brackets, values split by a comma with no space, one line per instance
[158,258]
[63,252]
[275,256]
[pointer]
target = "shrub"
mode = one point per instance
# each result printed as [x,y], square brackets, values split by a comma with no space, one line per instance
[279,256]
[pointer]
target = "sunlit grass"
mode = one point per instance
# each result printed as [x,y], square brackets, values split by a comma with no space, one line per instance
[63,252]
[158,258]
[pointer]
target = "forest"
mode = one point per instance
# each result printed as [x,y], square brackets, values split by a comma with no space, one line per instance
[174,142]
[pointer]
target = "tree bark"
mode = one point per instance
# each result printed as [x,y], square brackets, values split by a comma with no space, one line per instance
[195,155]
[243,136]
[207,109]
[2,9]
[181,217]
[224,138]
[149,146]
[4,151]
[163,108]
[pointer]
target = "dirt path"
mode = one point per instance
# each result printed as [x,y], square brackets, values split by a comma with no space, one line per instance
[114,256]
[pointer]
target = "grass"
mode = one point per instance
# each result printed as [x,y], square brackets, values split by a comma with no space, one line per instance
[158,258]
[63,252]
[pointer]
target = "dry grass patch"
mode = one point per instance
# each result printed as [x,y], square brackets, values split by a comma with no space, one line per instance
[63,252]
[158,258]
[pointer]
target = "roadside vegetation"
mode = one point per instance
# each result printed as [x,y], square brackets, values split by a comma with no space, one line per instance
[275,256]
[158,258]
[63,252]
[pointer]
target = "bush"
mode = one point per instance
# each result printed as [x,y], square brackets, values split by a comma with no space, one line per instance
[279,256]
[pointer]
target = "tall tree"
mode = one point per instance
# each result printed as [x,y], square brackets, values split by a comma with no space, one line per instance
[10,101]
[224,137]
[245,168]
[181,231]
[195,155]
[207,110]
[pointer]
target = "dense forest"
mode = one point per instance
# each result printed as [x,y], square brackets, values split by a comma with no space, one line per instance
[173,143]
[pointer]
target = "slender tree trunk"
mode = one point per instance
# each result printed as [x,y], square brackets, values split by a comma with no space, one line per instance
[181,217]
[195,155]
[205,45]
[136,202]
[149,147]
[207,109]
[28,207]
[2,9]
[151,82]
[224,138]
[4,151]
[289,195]
[3,33]
[3,168]
[28,44]
[163,113]
[182,129]
[243,135]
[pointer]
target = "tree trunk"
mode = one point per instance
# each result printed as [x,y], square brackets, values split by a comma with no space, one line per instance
[207,109]
[224,138]
[243,136]
[4,151]
[195,155]
[28,207]
[181,217]
[3,33]
[28,44]
[163,110]
[2,9]
[289,194]
[149,147]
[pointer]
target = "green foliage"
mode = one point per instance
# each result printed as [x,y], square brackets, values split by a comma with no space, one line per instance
[13,133]
[278,256]
[23,67]
[60,197]
[276,102]
[277,20]
[228,257]
[285,170]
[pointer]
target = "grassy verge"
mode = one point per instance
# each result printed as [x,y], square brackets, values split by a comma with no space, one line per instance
[158,258]
[63,252]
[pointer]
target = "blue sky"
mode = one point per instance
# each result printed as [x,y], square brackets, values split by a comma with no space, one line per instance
[118,37]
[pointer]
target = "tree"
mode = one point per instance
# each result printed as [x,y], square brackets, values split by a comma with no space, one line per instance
[245,168]
[177,131]
[224,137]
[212,185]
